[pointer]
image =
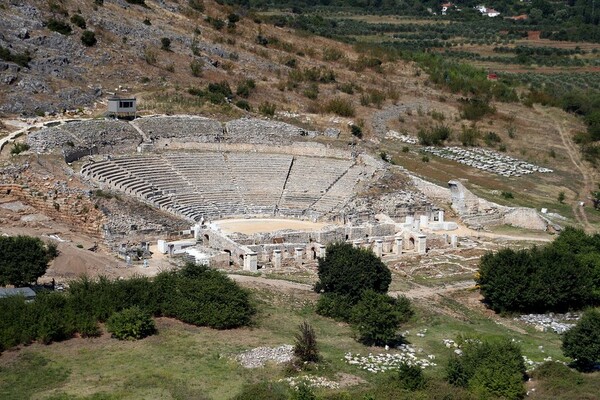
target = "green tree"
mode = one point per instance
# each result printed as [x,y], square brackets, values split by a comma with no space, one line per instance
[377,317]
[305,345]
[349,271]
[489,369]
[582,342]
[23,259]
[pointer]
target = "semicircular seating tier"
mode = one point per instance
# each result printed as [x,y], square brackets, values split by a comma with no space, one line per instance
[211,185]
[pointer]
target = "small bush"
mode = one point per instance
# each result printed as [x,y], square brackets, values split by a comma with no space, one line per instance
[267,109]
[507,195]
[197,5]
[130,324]
[305,346]
[139,2]
[78,21]
[475,108]
[147,21]
[149,56]
[491,139]
[356,131]
[469,136]
[18,148]
[341,107]
[243,104]
[435,136]
[196,67]
[88,38]
[165,44]
[59,26]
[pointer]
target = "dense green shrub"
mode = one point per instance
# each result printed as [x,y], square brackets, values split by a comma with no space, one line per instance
[59,26]
[560,276]
[582,342]
[410,377]
[202,296]
[334,305]
[193,294]
[349,271]
[88,38]
[489,369]
[377,317]
[130,324]
[23,259]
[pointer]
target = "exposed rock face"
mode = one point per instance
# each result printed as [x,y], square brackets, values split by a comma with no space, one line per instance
[477,212]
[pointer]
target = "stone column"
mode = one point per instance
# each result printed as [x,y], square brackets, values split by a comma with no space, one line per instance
[378,249]
[417,225]
[276,258]
[409,220]
[424,221]
[441,216]
[298,255]
[399,245]
[421,244]
[454,241]
[322,251]
[250,262]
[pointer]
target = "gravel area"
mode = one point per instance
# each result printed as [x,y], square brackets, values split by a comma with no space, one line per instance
[259,356]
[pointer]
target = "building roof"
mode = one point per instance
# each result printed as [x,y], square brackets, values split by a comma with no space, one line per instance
[121,98]
[22,291]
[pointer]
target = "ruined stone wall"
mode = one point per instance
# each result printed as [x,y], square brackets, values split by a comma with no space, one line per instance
[525,218]
[298,149]
[76,211]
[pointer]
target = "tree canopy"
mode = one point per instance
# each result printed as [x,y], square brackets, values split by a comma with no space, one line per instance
[582,342]
[23,259]
[560,276]
[349,271]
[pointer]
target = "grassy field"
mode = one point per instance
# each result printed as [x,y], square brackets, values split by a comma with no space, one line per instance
[185,362]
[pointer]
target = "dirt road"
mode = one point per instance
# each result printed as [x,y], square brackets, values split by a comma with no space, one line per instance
[575,156]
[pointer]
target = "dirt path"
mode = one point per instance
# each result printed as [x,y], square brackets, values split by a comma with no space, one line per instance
[575,156]
[415,293]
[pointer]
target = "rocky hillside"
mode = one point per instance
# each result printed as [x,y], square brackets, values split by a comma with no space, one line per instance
[58,55]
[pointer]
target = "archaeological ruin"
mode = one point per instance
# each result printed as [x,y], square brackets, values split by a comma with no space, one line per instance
[254,194]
